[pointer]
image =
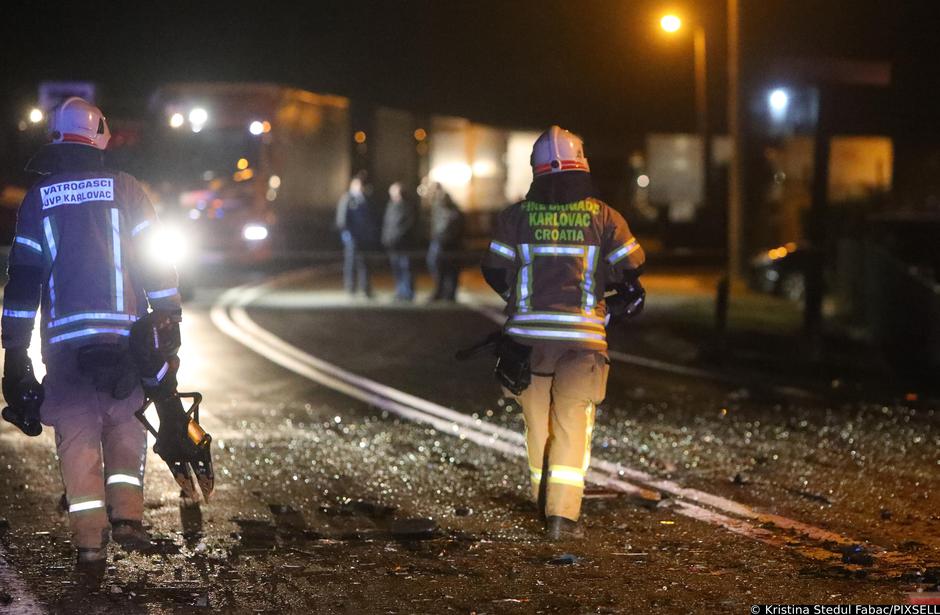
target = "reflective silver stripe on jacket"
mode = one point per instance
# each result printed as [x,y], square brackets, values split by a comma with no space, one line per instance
[502,249]
[91,316]
[561,334]
[19,313]
[623,251]
[86,332]
[160,294]
[118,266]
[50,240]
[29,243]
[560,318]
[559,250]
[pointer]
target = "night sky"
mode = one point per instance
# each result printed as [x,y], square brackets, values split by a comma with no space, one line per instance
[593,64]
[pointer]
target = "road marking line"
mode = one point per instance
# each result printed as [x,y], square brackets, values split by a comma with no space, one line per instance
[447,420]
[242,328]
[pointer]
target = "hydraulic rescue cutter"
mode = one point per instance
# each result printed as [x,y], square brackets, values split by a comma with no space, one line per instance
[180,441]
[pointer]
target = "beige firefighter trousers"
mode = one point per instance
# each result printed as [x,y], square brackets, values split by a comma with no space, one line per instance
[559,408]
[101,448]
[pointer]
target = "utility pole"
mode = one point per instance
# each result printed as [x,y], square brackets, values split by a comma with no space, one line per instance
[736,130]
[819,211]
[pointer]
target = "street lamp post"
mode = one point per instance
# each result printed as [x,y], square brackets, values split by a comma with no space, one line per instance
[673,23]
[701,111]
[736,124]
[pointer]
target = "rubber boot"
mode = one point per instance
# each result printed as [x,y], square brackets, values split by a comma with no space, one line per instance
[91,565]
[559,529]
[131,535]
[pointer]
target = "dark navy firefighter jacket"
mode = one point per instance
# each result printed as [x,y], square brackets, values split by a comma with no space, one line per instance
[79,256]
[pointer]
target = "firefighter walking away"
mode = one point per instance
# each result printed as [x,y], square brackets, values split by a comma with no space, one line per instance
[567,266]
[76,259]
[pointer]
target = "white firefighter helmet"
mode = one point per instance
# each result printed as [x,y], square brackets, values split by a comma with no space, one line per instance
[558,150]
[78,121]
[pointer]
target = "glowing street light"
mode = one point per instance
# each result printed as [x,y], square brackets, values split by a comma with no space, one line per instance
[256,127]
[670,23]
[778,99]
[176,120]
[35,115]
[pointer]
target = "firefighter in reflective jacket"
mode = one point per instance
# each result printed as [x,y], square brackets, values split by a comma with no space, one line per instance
[77,259]
[552,258]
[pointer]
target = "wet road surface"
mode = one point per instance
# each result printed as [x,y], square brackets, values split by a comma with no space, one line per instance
[326,503]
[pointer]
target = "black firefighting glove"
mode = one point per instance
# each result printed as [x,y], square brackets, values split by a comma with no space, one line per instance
[167,324]
[626,302]
[154,344]
[22,392]
[110,368]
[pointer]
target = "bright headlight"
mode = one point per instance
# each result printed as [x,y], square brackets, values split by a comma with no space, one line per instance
[255,232]
[168,244]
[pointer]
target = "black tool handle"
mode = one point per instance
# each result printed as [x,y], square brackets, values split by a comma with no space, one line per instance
[491,341]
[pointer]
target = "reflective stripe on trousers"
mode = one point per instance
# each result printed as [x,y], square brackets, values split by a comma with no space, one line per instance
[123,479]
[566,475]
[83,506]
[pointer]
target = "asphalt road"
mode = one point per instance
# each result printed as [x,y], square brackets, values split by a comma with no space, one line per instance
[361,469]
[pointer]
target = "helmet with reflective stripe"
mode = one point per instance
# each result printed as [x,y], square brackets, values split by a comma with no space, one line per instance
[557,151]
[78,121]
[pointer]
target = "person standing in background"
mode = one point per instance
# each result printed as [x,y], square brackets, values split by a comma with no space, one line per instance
[399,235]
[356,222]
[447,227]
